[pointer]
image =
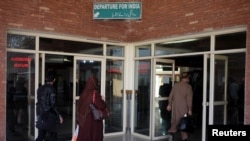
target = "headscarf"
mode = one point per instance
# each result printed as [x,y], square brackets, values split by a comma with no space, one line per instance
[85,99]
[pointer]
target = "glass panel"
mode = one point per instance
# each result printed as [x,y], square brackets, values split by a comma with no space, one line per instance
[84,68]
[76,107]
[235,88]
[163,85]
[219,115]
[83,72]
[63,66]
[142,97]
[183,46]
[143,50]
[162,118]
[229,91]
[219,80]
[31,110]
[20,41]
[114,95]
[241,102]
[207,123]
[20,92]
[208,78]
[230,41]
[163,79]
[113,50]
[58,45]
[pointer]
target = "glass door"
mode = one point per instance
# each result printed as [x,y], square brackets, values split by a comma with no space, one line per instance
[141,122]
[163,78]
[220,90]
[83,68]
[215,91]
[62,65]
[20,111]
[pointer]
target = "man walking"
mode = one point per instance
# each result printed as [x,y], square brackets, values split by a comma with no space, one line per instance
[47,113]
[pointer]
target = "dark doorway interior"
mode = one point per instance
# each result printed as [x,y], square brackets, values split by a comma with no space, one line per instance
[236,71]
[63,66]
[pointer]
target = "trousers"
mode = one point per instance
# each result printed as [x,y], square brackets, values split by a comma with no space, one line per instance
[42,135]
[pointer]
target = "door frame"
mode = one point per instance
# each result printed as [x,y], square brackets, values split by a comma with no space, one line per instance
[157,99]
[208,106]
[211,102]
[75,80]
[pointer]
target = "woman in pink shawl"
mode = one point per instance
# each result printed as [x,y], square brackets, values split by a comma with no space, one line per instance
[89,129]
[180,102]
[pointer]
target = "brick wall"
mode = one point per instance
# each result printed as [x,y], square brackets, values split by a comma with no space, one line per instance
[160,19]
[167,18]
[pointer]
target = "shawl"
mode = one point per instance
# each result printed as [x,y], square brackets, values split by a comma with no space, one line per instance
[85,99]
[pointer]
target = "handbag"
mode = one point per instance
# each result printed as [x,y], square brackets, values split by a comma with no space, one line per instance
[187,124]
[97,113]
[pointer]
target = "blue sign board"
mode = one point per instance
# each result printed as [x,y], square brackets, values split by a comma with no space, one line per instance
[117,10]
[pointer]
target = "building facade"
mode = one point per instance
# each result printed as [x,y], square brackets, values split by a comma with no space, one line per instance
[134,57]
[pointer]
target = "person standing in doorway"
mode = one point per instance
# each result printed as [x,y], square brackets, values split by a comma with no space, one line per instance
[47,109]
[180,102]
[89,128]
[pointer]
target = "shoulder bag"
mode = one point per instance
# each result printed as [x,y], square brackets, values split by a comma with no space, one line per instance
[97,113]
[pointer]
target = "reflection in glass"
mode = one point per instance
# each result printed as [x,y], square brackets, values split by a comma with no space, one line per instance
[183,46]
[31,110]
[48,44]
[20,41]
[164,78]
[143,50]
[162,118]
[20,94]
[114,95]
[219,79]
[234,87]
[113,50]
[142,96]
[226,87]
[163,86]
[219,115]
[83,72]
[230,41]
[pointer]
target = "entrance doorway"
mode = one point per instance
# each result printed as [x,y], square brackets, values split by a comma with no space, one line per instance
[164,77]
[63,66]
[166,73]
[23,64]
[72,73]
[83,69]
[213,78]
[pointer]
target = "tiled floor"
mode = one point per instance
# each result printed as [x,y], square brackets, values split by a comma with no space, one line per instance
[128,138]
[65,135]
